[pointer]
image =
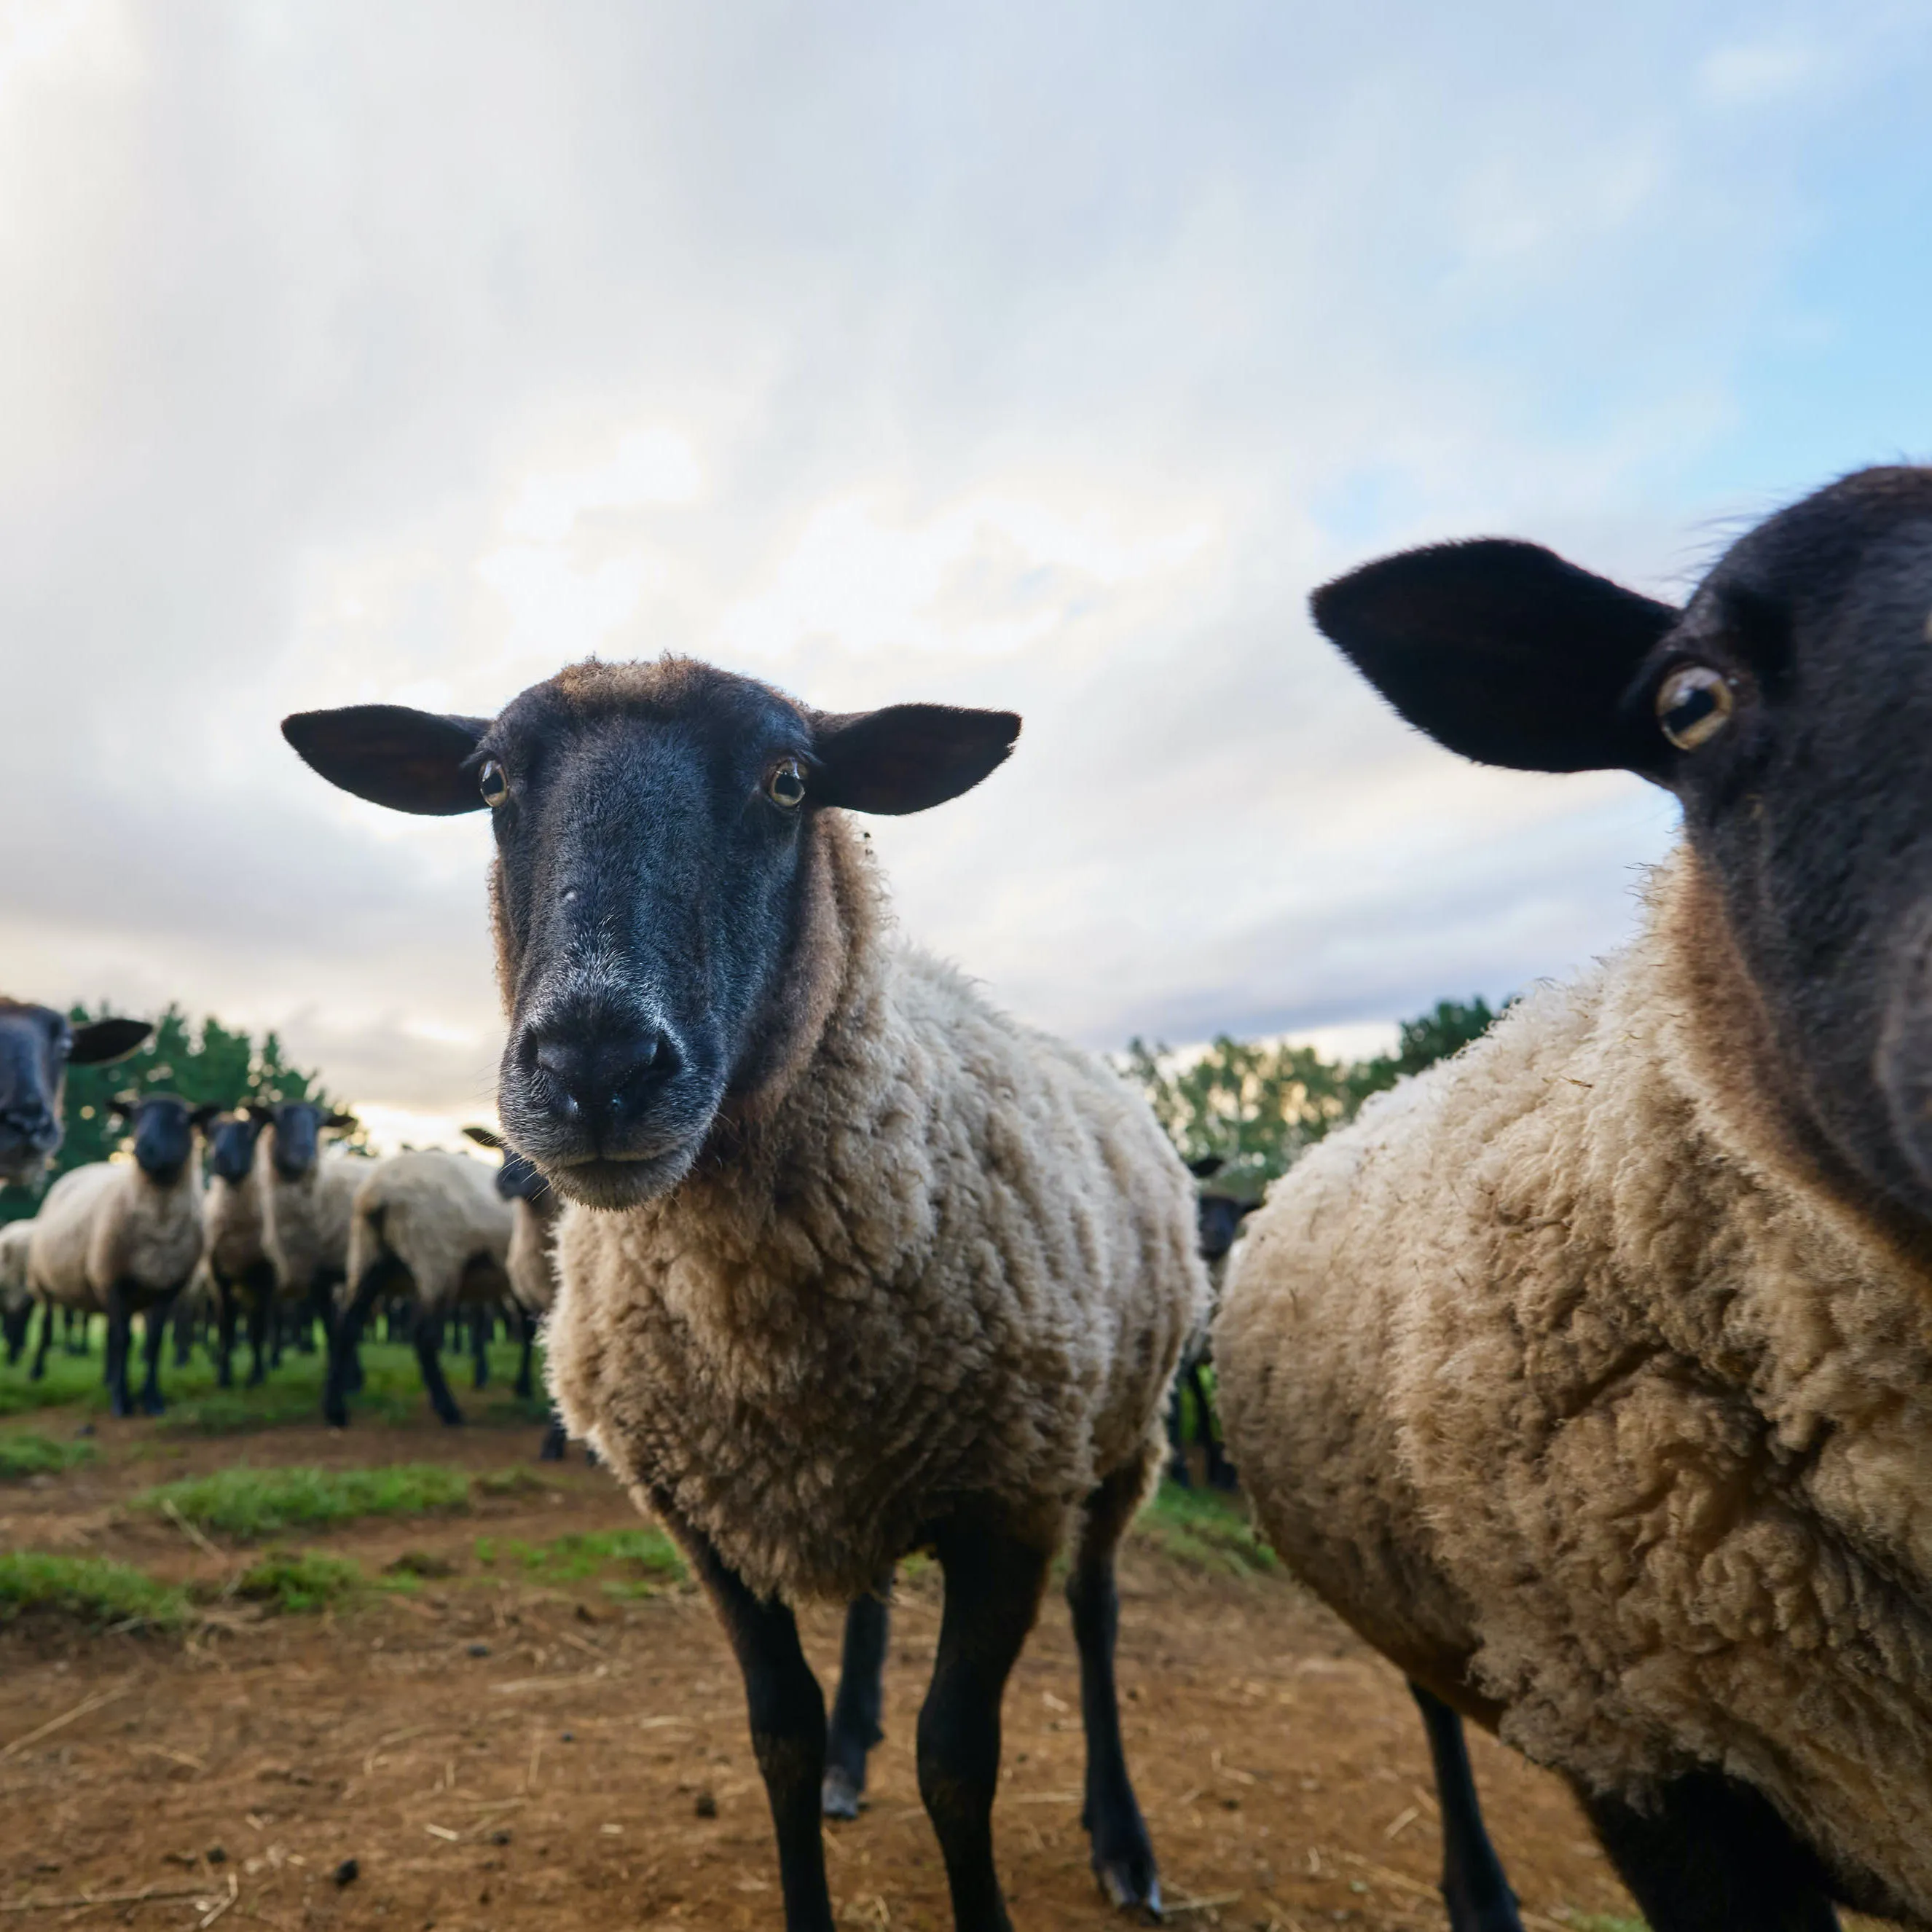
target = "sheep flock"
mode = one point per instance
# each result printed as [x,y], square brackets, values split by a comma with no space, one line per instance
[1586,1375]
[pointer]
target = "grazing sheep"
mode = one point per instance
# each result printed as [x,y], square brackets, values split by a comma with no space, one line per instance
[1589,1376]
[1218,1223]
[36,1047]
[16,1299]
[867,1266]
[305,1200]
[238,1257]
[121,1238]
[429,1225]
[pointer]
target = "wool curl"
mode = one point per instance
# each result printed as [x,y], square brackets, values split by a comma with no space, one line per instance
[935,1256]
[1581,1399]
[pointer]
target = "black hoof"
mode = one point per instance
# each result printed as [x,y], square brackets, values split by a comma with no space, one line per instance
[1491,1915]
[152,1405]
[840,1797]
[1131,1885]
[451,1418]
[551,1452]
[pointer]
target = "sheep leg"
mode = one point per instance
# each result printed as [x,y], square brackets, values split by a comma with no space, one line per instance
[429,1359]
[481,1325]
[40,1367]
[345,1341]
[258,1336]
[993,1586]
[1123,1854]
[556,1441]
[1473,1886]
[1714,1856]
[856,1710]
[224,1332]
[19,1324]
[120,1323]
[787,1714]
[1177,1435]
[184,1321]
[526,1382]
[154,1324]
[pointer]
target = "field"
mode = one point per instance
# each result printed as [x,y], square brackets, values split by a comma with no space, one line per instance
[238,1651]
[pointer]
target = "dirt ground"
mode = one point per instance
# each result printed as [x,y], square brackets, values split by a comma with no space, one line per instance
[495,1754]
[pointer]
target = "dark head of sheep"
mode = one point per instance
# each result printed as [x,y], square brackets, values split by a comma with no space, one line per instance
[299,1126]
[37,1046]
[652,824]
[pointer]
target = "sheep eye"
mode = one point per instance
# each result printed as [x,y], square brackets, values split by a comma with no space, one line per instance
[1693,705]
[785,784]
[493,783]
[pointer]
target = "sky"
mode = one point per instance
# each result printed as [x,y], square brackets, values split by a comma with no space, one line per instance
[1043,358]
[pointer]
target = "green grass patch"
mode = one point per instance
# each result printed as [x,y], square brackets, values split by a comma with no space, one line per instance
[23,1452]
[1604,1921]
[292,1581]
[248,1503]
[96,1592]
[511,1483]
[1205,1530]
[624,1562]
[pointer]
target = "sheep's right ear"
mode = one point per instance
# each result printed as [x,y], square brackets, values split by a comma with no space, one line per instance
[259,1113]
[1207,1167]
[907,756]
[409,760]
[101,1041]
[483,1137]
[1503,651]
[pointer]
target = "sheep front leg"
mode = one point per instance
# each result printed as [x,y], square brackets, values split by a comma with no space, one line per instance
[787,1714]
[429,1359]
[155,1325]
[856,1709]
[40,1367]
[345,1339]
[120,1326]
[993,1586]
[1123,1854]
[1474,1887]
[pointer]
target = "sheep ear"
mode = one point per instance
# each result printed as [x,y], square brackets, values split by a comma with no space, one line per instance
[483,1137]
[907,756]
[1207,1167]
[409,760]
[341,1123]
[201,1115]
[102,1042]
[1505,653]
[259,1113]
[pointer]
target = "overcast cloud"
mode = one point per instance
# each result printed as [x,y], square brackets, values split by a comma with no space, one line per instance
[1037,357]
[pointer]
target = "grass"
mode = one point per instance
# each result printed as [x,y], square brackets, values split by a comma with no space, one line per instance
[292,1393]
[644,1559]
[90,1588]
[248,1503]
[23,1452]
[1603,1921]
[1207,1531]
[293,1581]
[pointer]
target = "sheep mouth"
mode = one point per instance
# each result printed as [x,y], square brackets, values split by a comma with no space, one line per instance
[614,1182]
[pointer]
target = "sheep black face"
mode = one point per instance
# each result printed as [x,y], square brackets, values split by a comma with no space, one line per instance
[652,823]
[36,1047]
[231,1148]
[299,1126]
[1218,1219]
[164,1130]
[1788,706]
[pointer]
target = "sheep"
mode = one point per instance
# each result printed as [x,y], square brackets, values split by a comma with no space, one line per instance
[237,1258]
[1218,1223]
[430,1225]
[534,1208]
[853,1263]
[1589,1376]
[305,1200]
[36,1047]
[121,1237]
[16,1299]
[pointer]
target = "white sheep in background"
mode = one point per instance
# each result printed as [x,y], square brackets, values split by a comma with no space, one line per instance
[1589,1376]
[16,1298]
[856,1264]
[305,1196]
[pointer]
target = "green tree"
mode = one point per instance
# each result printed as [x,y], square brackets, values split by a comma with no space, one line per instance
[207,1065]
[1257,1108]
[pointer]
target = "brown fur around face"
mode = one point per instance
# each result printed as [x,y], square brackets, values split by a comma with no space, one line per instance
[1562,1379]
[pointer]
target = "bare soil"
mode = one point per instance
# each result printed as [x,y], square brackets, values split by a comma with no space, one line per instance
[493,1754]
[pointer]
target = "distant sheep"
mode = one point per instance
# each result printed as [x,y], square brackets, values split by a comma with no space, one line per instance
[1218,1222]
[430,1226]
[36,1047]
[122,1238]
[244,1277]
[855,1264]
[16,1298]
[1589,1376]
[305,1198]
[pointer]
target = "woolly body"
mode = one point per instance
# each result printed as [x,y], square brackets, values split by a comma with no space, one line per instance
[231,1216]
[15,1238]
[438,1215]
[1585,1404]
[532,1264]
[305,1222]
[110,1221]
[947,1257]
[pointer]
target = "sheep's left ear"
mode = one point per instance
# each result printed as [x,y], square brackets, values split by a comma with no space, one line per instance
[906,758]
[340,1124]
[100,1042]
[203,1114]
[484,1138]
[1207,1167]
[409,760]
[1504,652]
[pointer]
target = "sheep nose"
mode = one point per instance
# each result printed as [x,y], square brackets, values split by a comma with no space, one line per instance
[600,1074]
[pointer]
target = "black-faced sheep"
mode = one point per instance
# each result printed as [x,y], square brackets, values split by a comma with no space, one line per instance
[431,1227]
[122,1237]
[1218,1219]
[305,1196]
[866,1266]
[1589,1376]
[237,1256]
[36,1047]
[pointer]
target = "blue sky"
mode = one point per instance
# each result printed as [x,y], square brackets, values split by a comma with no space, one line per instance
[1043,358]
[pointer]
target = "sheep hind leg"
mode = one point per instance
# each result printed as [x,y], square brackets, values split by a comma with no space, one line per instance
[856,1710]
[1474,1885]
[154,1326]
[1123,1854]
[429,1359]
[993,1585]
[40,1367]
[1712,1855]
